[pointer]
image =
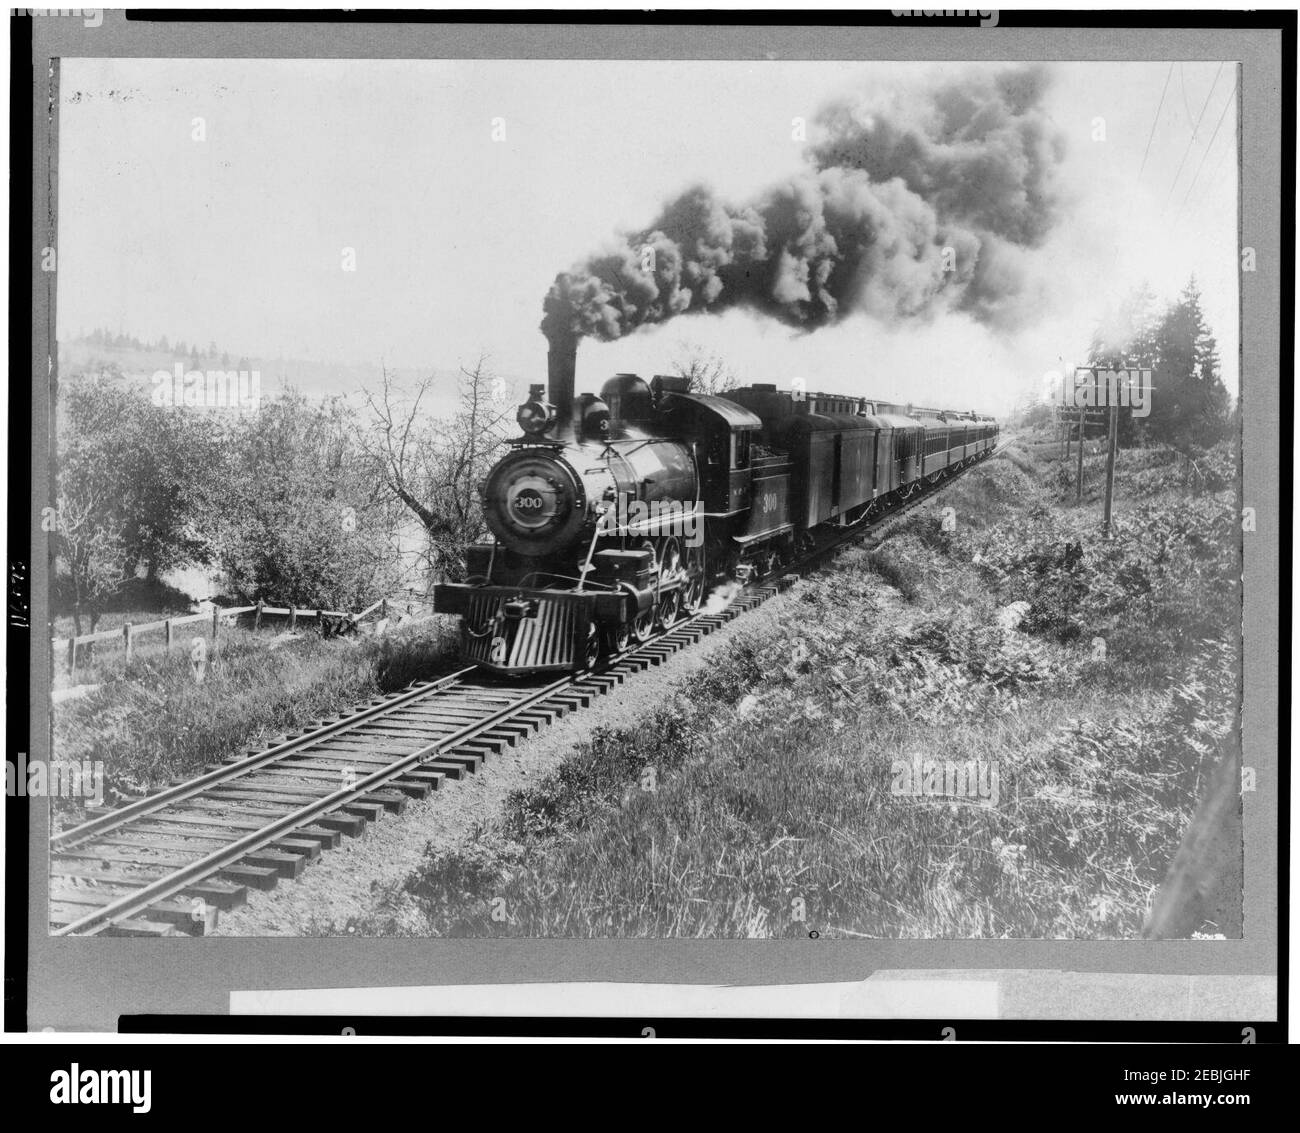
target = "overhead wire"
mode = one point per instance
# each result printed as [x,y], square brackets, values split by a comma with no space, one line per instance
[1155,122]
[1192,140]
[1232,94]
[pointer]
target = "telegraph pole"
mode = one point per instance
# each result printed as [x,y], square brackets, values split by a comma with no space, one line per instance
[1063,419]
[1078,486]
[1112,444]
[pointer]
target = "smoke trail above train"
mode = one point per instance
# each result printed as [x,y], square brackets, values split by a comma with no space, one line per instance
[912,204]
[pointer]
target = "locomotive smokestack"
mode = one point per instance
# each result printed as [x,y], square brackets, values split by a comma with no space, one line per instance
[561,364]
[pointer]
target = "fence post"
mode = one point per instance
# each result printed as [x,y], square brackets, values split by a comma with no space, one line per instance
[167,630]
[126,639]
[383,608]
[216,622]
[293,618]
[72,656]
[257,618]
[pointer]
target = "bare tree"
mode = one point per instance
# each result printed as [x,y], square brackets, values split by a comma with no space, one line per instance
[434,465]
[706,372]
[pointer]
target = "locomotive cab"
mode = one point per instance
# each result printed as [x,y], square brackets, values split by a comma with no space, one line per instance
[724,435]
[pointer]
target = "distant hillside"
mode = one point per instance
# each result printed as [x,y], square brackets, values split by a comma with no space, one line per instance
[137,362]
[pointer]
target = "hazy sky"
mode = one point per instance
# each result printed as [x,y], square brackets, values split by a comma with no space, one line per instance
[239,238]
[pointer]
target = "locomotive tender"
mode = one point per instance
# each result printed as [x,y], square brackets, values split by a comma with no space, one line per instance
[613,516]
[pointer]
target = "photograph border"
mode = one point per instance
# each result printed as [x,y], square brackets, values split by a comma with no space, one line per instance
[91,985]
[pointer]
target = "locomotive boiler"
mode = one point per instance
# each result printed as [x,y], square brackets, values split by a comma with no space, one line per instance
[613,515]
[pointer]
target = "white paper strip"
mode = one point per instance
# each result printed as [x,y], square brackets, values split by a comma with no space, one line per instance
[865,999]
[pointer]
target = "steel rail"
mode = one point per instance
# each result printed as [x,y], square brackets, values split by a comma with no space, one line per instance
[164,798]
[169,885]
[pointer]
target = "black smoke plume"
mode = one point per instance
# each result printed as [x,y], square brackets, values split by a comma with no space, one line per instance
[910,206]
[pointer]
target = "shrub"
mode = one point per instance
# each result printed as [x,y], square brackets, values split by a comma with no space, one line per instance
[1168,577]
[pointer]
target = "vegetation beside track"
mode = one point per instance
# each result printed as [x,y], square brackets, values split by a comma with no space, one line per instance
[152,718]
[758,802]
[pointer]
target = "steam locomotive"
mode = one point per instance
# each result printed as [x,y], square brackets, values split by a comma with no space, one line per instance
[613,516]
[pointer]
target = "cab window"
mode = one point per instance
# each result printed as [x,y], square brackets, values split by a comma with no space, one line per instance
[740,450]
[716,452]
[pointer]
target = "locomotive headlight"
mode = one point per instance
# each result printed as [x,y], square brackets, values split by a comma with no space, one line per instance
[535,417]
[531,502]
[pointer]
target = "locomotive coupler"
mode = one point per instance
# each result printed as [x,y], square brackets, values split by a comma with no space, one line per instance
[516,609]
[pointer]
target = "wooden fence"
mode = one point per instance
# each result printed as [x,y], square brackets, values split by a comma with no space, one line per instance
[129,633]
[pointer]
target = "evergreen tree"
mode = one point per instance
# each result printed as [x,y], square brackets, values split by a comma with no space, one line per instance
[1190,404]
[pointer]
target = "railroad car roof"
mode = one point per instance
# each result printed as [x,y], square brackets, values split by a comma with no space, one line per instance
[844,423]
[737,416]
[897,421]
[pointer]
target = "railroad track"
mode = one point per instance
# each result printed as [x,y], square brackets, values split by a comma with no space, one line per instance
[168,863]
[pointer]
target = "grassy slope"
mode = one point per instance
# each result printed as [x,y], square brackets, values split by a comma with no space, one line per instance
[152,719]
[758,803]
